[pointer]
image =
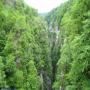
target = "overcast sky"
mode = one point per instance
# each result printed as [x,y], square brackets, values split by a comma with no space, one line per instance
[44,6]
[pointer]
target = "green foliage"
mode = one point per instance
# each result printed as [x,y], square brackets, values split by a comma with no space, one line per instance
[23,38]
[73,65]
[2,74]
[33,79]
[30,54]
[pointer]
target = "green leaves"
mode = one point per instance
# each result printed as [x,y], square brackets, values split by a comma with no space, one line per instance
[24,46]
[73,65]
[2,74]
[33,79]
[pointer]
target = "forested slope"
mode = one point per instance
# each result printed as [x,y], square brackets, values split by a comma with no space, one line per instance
[45,53]
[73,67]
[24,47]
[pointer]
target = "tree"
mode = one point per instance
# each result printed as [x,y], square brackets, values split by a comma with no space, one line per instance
[32,77]
[2,74]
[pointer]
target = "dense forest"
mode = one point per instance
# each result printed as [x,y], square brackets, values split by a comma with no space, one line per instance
[45,53]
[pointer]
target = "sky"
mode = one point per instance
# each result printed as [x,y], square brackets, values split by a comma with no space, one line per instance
[44,6]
